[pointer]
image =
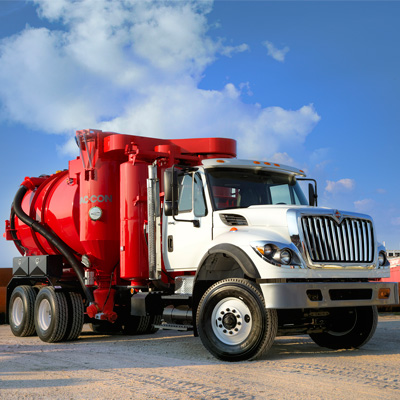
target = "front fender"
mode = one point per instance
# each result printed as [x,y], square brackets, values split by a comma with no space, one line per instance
[230,251]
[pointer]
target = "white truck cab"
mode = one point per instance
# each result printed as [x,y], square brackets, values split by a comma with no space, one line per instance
[247,227]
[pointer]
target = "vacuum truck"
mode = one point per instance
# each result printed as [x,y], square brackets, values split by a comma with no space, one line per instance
[140,234]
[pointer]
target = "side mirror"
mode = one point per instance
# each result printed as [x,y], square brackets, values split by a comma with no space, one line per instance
[312,195]
[171,192]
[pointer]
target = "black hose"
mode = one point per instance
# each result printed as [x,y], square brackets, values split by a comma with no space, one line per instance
[17,242]
[51,238]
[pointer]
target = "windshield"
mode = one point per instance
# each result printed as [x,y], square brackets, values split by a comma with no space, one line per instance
[240,188]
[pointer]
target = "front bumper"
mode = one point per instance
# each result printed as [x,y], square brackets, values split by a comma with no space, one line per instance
[328,294]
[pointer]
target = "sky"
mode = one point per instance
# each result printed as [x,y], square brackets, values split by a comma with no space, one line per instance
[312,84]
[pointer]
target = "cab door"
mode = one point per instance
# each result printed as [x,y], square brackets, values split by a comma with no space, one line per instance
[186,237]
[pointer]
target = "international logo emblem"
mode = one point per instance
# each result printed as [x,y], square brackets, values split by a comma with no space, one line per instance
[338,217]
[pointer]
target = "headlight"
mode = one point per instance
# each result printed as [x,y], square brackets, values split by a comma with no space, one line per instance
[382,258]
[285,256]
[277,254]
[268,250]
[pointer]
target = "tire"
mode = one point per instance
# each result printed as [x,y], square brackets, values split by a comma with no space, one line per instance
[348,328]
[22,311]
[51,315]
[136,325]
[141,325]
[154,320]
[233,323]
[105,327]
[75,316]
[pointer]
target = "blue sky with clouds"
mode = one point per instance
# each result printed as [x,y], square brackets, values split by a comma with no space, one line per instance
[311,84]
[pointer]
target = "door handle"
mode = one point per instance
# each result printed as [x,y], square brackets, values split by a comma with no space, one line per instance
[170,242]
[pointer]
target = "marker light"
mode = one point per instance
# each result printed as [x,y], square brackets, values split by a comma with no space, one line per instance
[384,293]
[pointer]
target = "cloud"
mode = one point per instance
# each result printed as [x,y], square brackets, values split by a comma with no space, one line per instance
[230,50]
[342,185]
[134,67]
[364,205]
[276,54]
[319,158]
[282,158]
[396,221]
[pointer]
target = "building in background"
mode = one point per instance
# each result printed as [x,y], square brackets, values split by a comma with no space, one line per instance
[393,253]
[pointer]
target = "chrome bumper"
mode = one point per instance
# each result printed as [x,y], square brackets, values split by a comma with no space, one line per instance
[332,294]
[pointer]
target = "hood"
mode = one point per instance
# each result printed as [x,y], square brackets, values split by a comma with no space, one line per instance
[265,216]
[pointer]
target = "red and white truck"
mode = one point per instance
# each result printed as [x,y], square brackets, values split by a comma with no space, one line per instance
[141,233]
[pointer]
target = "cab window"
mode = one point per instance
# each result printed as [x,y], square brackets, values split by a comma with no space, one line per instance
[191,194]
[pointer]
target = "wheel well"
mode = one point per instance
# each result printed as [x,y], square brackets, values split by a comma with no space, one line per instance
[221,262]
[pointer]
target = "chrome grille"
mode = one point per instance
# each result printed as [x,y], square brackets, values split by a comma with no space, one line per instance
[351,241]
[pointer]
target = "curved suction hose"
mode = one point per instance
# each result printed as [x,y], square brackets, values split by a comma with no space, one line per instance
[52,238]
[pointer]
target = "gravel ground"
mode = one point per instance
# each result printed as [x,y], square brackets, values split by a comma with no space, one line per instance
[175,366]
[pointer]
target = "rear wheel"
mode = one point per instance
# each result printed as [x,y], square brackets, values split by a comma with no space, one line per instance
[22,310]
[348,328]
[51,315]
[136,325]
[233,323]
[105,327]
[75,316]
[154,320]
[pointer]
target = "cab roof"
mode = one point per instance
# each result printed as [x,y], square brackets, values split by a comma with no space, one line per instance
[263,165]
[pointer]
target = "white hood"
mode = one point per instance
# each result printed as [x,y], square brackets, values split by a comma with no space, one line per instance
[263,216]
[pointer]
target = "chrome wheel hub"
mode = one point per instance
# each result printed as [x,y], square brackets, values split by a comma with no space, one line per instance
[18,311]
[44,314]
[231,321]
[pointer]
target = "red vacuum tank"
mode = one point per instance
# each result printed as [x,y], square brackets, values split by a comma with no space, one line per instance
[98,207]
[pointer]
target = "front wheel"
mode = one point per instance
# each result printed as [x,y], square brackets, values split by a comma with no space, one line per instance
[233,323]
[348,328]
